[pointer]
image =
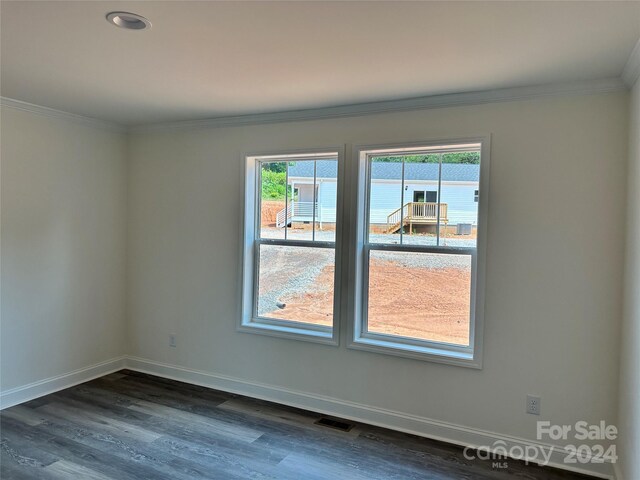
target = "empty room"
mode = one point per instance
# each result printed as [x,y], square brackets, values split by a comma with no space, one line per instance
[320,240]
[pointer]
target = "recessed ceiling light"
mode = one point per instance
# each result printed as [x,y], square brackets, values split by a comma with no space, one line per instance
[127,20]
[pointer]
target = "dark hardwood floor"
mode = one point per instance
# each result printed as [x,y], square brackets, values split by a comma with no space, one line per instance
[130,425]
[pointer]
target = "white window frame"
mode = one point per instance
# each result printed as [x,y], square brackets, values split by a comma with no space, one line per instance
[249,319]
[358,337]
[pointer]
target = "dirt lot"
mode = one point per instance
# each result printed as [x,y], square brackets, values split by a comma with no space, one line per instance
[315,307]
[421,301]
[425,303]
[431,304]
[270,209]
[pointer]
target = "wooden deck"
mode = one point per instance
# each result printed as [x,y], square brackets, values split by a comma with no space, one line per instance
[417,213]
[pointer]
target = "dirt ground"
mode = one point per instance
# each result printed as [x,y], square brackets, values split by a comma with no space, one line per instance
[418,302]
[414,302]
[430,304]
[270,209]
[315,307]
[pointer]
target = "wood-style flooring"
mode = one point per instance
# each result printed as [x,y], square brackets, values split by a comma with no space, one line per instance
[129,425]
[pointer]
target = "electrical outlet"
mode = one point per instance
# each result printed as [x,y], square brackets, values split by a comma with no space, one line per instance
[533,404]
[172,340]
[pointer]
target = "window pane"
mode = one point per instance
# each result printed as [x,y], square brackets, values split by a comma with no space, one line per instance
[272,199]
[421,193]
[327,197]
[425,296]
[313,203]
[296,283]
[459,207]
[385,199]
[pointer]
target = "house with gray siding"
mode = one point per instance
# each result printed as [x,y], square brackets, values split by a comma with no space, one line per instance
[418,193]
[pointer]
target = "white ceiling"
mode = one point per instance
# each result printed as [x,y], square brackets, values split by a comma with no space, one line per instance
[211,59]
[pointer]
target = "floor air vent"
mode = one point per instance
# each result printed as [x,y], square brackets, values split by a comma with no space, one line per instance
[337,424]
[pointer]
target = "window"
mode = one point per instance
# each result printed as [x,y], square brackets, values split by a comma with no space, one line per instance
[412,283]
[290,270]
[429,196]
[419,290]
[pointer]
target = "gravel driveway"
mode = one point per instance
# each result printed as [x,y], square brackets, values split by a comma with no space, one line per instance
[284,275]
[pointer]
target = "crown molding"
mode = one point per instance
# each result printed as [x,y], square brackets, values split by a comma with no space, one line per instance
[59,114]
[631,70]
[418,103]
[588,87]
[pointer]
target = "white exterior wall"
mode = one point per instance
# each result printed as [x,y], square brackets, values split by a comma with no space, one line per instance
[305,192]
[386,198]
[327,198]
[461,207]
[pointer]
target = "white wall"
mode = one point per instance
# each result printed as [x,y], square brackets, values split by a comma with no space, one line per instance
[386,198]
[328,201]
[63,246]
[461,206]
[630,358]
[554,270]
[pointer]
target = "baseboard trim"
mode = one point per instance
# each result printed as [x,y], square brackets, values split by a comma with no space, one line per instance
[421,426]
[24,393]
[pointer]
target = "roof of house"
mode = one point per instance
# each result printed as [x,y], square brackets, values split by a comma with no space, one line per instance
[451,172]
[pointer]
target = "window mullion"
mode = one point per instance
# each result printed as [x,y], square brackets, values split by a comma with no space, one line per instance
[411,248]
[295,243]
[402,204]
[256,276]
[257,227]
[439,200]
[313,198]
[286,200]
[367,212]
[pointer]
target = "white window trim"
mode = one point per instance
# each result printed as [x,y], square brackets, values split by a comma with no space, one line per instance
[470,356]
[250,201]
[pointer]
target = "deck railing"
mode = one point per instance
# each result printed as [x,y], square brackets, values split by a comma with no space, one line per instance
[297,211]
[417,212]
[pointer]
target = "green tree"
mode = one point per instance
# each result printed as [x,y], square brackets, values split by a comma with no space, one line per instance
[457,157]
[279,167]
[274,177]
[273,184]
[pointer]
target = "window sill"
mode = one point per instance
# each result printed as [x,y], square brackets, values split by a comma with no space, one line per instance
[324,336]
[416,352]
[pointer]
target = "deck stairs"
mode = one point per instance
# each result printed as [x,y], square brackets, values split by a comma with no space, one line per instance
[416,213]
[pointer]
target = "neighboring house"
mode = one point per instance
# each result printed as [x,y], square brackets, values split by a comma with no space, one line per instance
[459,192]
